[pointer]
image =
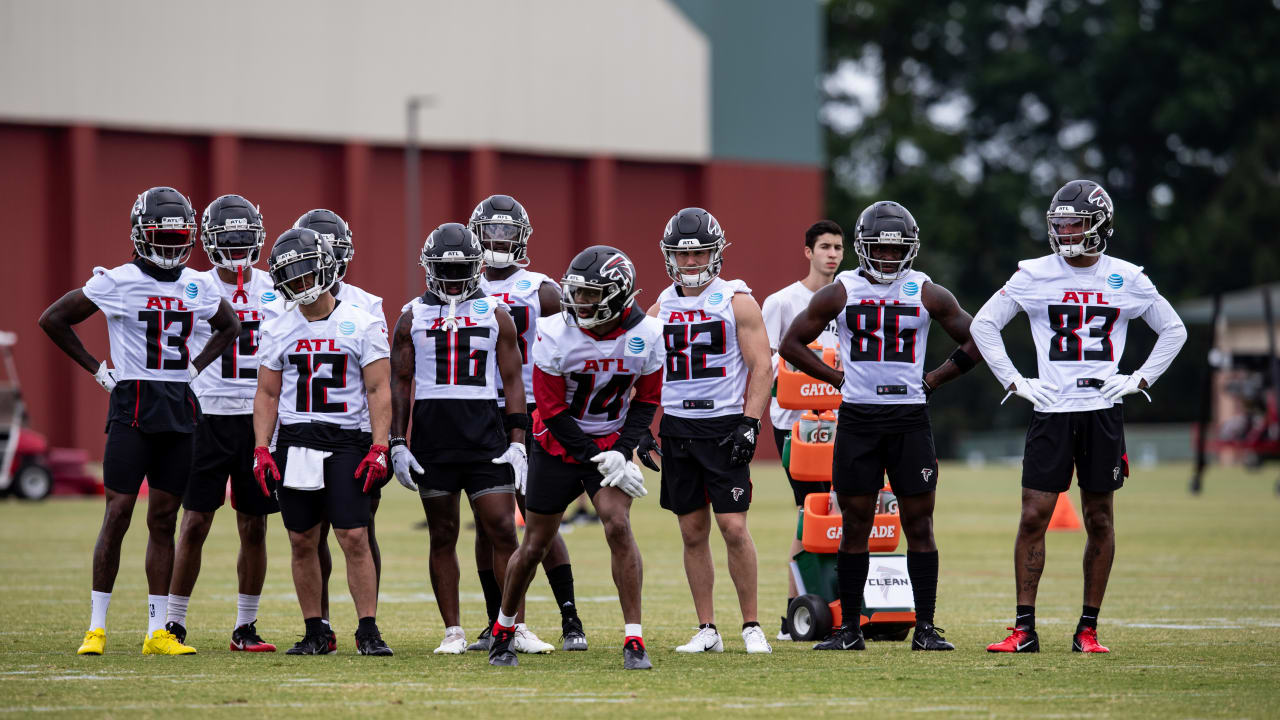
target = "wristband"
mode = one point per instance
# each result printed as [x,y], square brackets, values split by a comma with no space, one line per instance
[515,421]
[962,360]
[395,441]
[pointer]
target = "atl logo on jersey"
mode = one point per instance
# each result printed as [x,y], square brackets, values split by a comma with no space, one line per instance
[165,303]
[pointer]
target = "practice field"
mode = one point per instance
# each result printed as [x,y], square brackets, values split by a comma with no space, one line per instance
[1192,618]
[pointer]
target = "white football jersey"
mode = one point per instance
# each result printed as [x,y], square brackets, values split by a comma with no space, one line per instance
[779,309]
[520,294]
[883,333]
[372,304]
[1079,322]
[150,322]
[322,364]
[459,363]
[228,385]
[705,375]
[598,373]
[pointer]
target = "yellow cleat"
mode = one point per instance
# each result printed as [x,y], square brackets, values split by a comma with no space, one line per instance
[95,641]
[163,642]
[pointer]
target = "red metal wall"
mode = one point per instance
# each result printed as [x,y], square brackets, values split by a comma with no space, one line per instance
[65,193]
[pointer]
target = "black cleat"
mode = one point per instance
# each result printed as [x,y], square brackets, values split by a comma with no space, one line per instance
[246,638]
[311,644]
[177,631]
[371,643]
[500,652]
[929,637]
[330,638]
[483,641]
[634,656]
[784,632]
[572,635]
[843,638]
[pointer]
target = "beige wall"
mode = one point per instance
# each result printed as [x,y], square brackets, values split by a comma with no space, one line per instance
[625,77]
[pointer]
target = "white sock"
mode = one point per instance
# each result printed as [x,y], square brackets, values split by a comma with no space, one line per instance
[453,630]
[246,609]
[157,612]
[506,620]
[98,603]
[632,630]
[177,610]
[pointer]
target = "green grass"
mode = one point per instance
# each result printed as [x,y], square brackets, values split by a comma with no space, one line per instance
[1192,617]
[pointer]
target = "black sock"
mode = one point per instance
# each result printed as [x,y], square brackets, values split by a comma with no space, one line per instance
[704,626]
[561,579]
[922,567]
[492,593]
[367,626]
[1026,617]
[750,624]
[851,572]
[1088,618]
[316,626]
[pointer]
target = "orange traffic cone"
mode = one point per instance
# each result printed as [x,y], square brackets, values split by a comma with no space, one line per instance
[519,518]
[1064,515]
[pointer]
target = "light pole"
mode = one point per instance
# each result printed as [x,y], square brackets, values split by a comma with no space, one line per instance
[412,192]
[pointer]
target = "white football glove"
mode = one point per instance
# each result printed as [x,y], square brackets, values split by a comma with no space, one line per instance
[1038,392]
[632,482]
[192,372]
[401,461]
[1117,386]
[106,377]
[609,463]
[518,458]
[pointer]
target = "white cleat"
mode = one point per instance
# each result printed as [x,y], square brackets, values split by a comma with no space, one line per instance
[755,640]
[454,643]
[526,642]
[706,640]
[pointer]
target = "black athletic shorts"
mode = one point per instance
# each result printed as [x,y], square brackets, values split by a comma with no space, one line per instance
[696,472]
[554,484]
[799,488]
[477,478]
[224,448]
[864,453]
[1092,442]
[342,502]
[163,458]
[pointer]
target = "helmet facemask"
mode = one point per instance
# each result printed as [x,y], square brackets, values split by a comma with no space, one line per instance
[453,276]
[591,304]
[166,241]
[236,244]
[692,276]
[1073,233]
[302,277]
[505,241]
[886,269]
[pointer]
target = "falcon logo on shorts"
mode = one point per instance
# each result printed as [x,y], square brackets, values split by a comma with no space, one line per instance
[737,493]
[192,291]
[1115,473]
[926,473]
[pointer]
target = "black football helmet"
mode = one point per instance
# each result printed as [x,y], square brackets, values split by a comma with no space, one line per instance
[886,224]
[1080,219]
[451,257]
[504,228]
[334,229]
[598,286]
[164,227]
[232,232]
[302,265]
[693,230]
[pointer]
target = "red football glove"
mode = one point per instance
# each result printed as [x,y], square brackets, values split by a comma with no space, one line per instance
[373,467]
[263,464]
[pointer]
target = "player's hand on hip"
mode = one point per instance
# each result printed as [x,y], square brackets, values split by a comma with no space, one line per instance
[192,372]
[1117,386]
[608,462]
[649,447]
[518,458]
[402,461]
[264,464]
[1038,392]
[106,377]
[373,467]
[743,439]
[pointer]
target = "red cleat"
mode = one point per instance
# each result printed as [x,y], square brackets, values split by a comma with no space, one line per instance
[1023,640]
[1086,641]
[245,638]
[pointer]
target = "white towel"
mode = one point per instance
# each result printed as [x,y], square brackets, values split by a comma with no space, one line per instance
[304,468]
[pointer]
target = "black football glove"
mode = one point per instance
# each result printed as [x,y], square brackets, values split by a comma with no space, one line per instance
[649,444]
[744,441]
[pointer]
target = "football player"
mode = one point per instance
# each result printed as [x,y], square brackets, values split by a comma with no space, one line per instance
[587,361]
[715,341]
[232,232]
[824,249]
[1079,302]
[882,312]
[335,230]
[449,347]
[324,375]
[152,306]
[504,229]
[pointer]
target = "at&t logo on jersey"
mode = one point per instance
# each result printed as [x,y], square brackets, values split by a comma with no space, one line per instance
[1115,281]
[480,306]
[910,288]
[715,298]
[523,285]
[347,327]
[636,346]
[192,291]
[268,296]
